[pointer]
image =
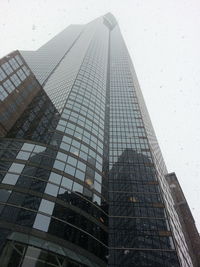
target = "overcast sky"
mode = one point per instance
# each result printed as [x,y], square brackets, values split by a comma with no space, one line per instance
[164,43]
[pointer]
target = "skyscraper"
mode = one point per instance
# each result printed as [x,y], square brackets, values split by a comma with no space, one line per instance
[82,176]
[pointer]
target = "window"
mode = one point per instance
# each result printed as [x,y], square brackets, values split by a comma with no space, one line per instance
[55,178]
[21,74]
[97,199]
[16,167]
[97,186]
[23,155]
[15,80]
[19,60]
[46,206]
[51,189]
[10,178]
[4,194]
[67,183]
[42,222]
[59,165]
[77,188]
[72,161]
[7,68]
[13,63]
[80,175]
[3,93]
[26,70]
[28,147]
[98,177]
[81,166]
[8,86]
[70,170]
[39,149]
[61,156]
[2,74]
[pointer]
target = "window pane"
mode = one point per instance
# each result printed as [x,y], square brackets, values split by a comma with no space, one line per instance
[4,194]
[77,188]
[23,155]
[69,169]
[61,156]
[80,175]
[72,161]
[42,222]
[16,167]
[55,178]
[51,189]
[10,178]
[81,166]
[59,165]
[67,183]
[28,147]
[46,206]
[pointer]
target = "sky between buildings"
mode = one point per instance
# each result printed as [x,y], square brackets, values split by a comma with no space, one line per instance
[164,43]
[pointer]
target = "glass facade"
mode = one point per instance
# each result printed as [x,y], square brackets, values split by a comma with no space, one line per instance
[18,87]
[80,182]
[139,231]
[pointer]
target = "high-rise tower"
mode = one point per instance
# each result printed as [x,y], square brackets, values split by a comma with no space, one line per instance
[82,177]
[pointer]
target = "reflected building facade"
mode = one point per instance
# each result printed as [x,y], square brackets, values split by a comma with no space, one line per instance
[82,176]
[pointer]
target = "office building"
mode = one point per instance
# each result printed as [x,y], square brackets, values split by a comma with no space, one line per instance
[82,176]
[185,216]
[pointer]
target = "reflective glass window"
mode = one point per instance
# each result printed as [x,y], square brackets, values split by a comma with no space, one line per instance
[70,170]
[7,68]
[2,74]
[97,186]
[72,161]
[21,74]
[10,178]
[4,194]
[97,199]
[59,165]
[46,206]
[42,222]
[13,63]
[67,183]
[14,78]
[19,60]
[77,187]
[3,93]
[81,166]
[80,175]
[55,178]
[17,198]
[67,139]
[64,146]
[74,150]
[51,189]
[39,149]
[62,156]
[8,86]
[98,177]
[23,155]
[27,147]
[16,167]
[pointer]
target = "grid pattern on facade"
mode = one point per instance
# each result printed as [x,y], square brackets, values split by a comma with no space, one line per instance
[81,173]
[138,223]
[56,180]
[17,88]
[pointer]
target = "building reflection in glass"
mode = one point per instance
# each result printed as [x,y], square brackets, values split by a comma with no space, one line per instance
[137,222]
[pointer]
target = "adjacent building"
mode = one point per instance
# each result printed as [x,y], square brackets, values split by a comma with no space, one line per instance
[185,216]
[82,176]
